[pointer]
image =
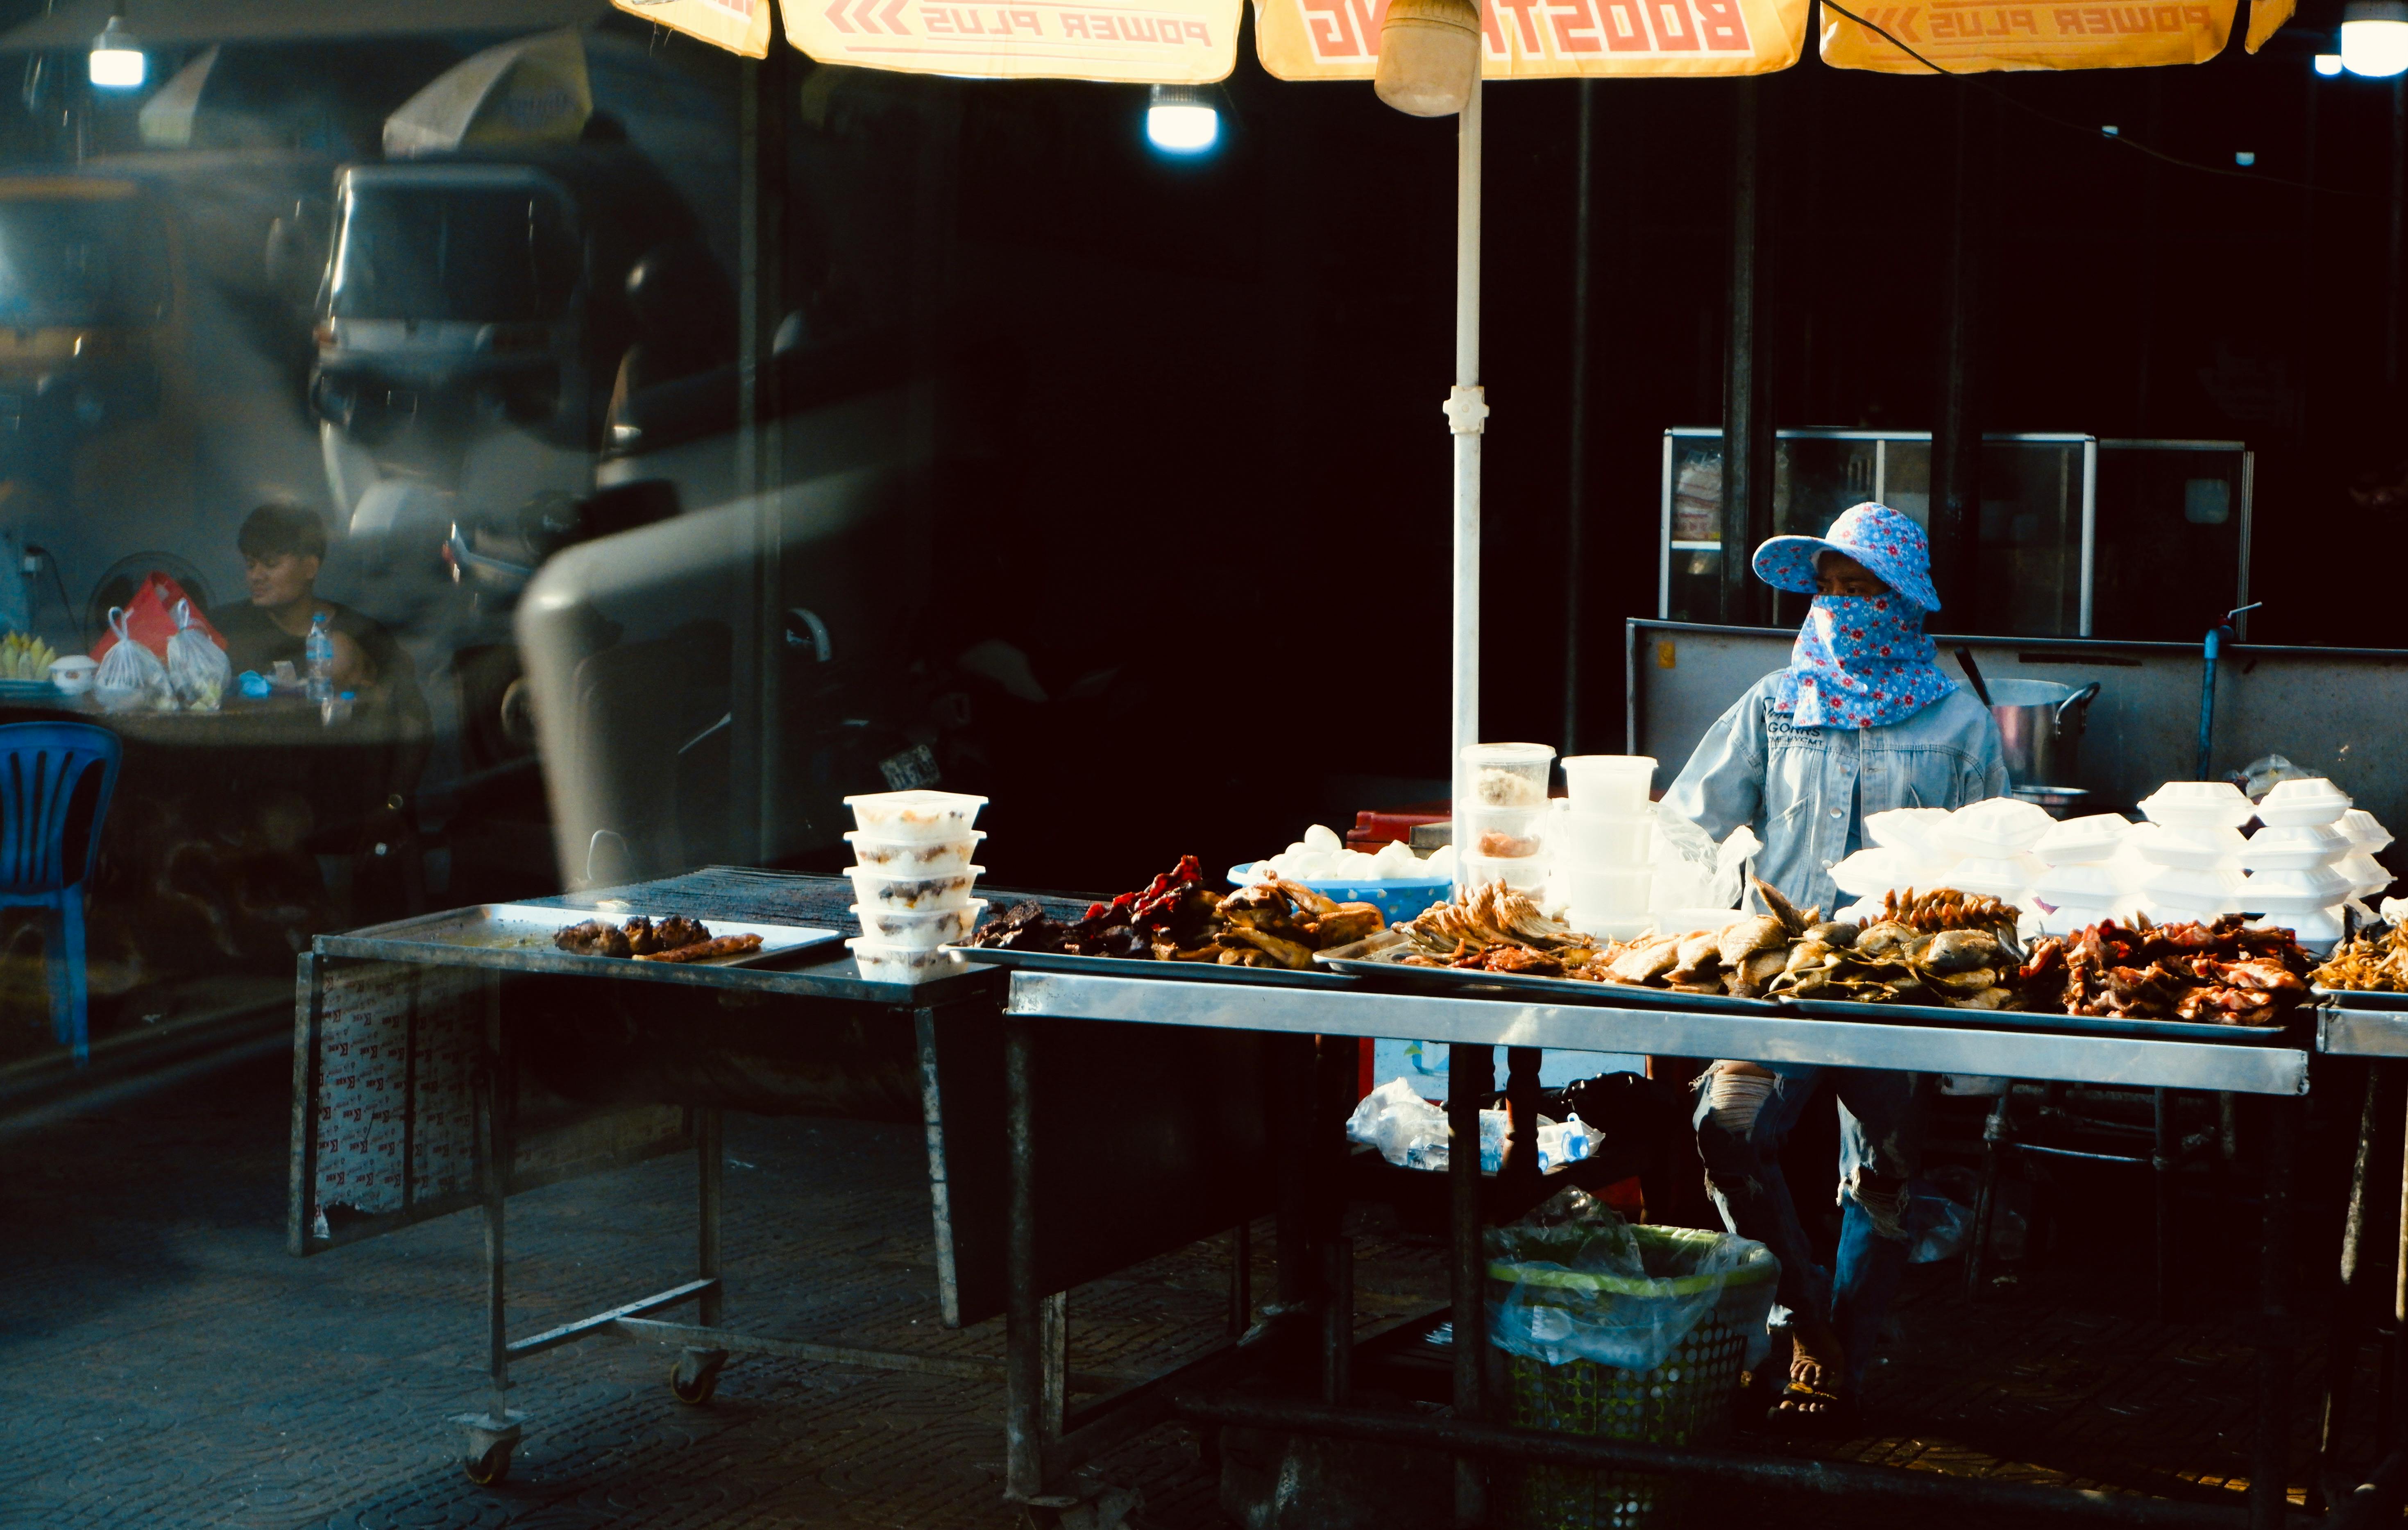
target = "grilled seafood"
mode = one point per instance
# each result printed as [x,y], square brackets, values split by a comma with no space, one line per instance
[1176,918]
[637,936]
[1947,908]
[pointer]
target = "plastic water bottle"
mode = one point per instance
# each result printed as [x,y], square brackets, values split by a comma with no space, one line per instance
[317,655]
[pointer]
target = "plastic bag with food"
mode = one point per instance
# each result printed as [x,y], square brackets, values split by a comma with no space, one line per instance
[130,678]
[197,668]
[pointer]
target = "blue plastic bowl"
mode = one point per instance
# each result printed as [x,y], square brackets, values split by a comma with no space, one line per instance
[1398,901]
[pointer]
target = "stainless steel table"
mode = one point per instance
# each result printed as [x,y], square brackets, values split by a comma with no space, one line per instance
[1473,1028]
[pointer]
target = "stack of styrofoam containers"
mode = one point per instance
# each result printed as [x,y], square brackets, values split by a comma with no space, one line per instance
[1605,844]
[912,881]
[2082,886]
[1993,840]
[1904,853]
[1499,830]
[2368,879]
[2194,854]
[2295,881]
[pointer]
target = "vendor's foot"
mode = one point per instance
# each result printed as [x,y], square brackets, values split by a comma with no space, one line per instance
[1814,1400]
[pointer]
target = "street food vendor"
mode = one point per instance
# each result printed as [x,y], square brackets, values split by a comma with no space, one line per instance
[1861,720]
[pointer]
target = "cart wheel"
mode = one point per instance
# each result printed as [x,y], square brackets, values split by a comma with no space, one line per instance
[696,1376]
[490,1469]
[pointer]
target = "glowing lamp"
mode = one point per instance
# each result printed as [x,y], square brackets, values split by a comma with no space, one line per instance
[117,61]
[1429,56]
[1181,119]
[2375,38]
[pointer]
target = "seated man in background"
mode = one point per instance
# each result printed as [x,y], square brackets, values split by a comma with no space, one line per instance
[283,546]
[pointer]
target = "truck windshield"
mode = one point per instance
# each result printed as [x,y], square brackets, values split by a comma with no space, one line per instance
[72,263]
[479,254]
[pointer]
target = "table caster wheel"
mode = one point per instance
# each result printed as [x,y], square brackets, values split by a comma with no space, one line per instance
[696,1376]
[490,1469]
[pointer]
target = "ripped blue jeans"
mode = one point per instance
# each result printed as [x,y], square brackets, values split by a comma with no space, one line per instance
[1881,1133]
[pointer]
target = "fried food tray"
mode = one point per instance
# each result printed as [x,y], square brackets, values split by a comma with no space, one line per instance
[1385,963]
[518,935]
[2360,999]
[1134,967]
[2017,1020]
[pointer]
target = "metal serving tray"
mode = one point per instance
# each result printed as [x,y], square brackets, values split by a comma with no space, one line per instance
[1131,967]
[519,936]
[2015,1020]
[2360,999]
[1386,964]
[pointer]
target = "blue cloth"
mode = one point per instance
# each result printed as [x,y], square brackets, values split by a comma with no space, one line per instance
[1860,661]
[1877,536]
[1804,790]
[1880,1133]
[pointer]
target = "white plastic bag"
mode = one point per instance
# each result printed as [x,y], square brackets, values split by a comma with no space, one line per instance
[130,676]
[197,669]
[1692,871]
[1409,1131]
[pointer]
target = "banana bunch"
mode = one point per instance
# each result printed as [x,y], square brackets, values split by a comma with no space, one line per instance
[23,658]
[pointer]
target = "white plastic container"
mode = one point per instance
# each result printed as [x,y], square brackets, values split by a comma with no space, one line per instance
[2364,831]
[2318,929]
[1870,873]
[2193,849]
[2082,841]
[1609,784]
[1993,828]
[1617,928]
[2181,895]
[2310,887]
[912,857]
[1504,832]
[2293,848]
[1506,775]
[2197,805]
[915,815]
[1603,838]
[2366,876]
[919,932]
[1610,891]
[2082,884]
[1521,873]
[2009,878]
[2310,800]
[912,895]
[2072,919]
[881,963]
[1909,829]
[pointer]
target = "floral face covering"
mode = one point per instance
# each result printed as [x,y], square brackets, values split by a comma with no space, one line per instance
[1861,662]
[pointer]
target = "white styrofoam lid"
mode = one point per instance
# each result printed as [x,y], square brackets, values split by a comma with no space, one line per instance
[2364,831]
[2305,789]
[1905,828]
[2322,883]
[1995,825]
[2091,837]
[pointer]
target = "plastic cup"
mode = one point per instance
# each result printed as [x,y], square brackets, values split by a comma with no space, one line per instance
[920,815]
[1609,784]
[881,963]
[1506,775]
[921,931]
[912,857]
[1611,892]
[1603,839]
[907,894]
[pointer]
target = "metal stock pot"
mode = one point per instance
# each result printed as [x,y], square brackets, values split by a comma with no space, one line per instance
[2040,724]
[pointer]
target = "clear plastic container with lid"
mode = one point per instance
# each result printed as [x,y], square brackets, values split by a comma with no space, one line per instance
[924,931]
[1504,832]
[1609,784]
[920,815]
[882,962]
[2192,850]
[2197,805]
[1506,775]
[912,857]
[1583,838]
[1521,873]
[907,894]
[1610,891]
[2310,799]
[2082,841]
[2293,848]
[1992,828]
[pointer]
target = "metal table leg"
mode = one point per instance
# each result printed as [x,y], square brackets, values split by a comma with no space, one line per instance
[494,1434]
[1470,1079]
[2270,1472]
[1034,1341]
[2349,1324]
[696,1376]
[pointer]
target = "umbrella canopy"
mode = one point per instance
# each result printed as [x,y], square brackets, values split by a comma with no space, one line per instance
[1551,40]
[526,92]
[72,24]
[1962,39]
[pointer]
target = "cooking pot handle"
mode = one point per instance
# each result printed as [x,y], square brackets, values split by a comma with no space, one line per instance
[2079,703]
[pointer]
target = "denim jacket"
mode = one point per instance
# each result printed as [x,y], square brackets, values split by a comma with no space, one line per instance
[1804,791]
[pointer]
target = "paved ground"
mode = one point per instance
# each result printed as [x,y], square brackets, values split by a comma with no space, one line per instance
[163,1362]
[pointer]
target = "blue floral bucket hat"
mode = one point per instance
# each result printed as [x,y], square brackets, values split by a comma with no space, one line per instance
[1877,536]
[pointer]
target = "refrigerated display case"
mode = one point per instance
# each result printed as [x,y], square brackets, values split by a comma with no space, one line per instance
[2078,537]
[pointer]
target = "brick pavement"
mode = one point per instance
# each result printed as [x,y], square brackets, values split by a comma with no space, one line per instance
[163,1362]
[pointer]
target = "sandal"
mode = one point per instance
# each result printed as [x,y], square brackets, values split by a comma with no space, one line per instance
[1804,1409]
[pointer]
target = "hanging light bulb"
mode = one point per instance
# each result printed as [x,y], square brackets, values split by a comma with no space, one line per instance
[1429,56]
[1181,119]
[2375,38]
[2327,64]
[117,61]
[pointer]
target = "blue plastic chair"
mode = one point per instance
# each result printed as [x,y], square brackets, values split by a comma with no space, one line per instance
[41,766]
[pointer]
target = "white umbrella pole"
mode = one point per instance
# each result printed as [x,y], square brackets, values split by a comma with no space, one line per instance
[1465,411]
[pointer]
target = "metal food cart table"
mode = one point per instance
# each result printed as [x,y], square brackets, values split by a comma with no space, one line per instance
[1473,1026]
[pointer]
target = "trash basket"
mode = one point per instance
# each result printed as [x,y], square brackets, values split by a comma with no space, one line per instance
[1685,1400]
